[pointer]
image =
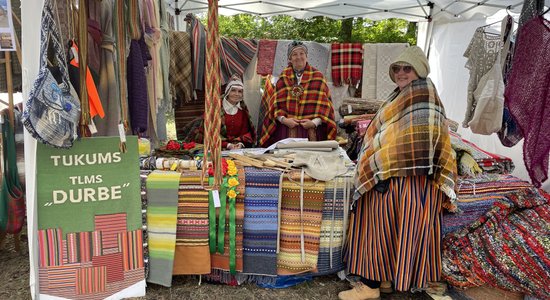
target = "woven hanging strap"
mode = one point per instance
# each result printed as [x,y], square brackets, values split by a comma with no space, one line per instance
[212,117]
[83,66]
[134,20]
[121,51]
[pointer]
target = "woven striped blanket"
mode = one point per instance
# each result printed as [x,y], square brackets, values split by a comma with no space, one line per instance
[235,55]
[192,251]
[301,203]
[162,195]
[337,196]
[477,195]
[260,221]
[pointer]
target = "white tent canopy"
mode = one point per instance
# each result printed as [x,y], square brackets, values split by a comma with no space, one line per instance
[411,10]
[453,24]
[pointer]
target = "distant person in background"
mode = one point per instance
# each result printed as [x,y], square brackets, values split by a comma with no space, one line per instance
[236,129]
[405,175]
[302,104]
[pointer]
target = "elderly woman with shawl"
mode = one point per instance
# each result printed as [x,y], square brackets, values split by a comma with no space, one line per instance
[405,175]
[302,107]
[236,129]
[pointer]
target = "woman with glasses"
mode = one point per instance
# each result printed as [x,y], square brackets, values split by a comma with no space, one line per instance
[302,105]
[405,175]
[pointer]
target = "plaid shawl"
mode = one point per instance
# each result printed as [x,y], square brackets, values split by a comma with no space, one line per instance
[315,102]
[408,137]
[347,63]
[265,117]
[180,67]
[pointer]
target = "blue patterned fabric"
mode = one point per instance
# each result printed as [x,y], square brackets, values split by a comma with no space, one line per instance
[260,221]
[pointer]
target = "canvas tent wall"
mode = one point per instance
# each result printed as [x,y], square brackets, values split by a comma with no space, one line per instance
[453,23]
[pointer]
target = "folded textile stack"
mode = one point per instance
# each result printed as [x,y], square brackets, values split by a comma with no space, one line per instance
[359,106]
[489,162]
[477,195]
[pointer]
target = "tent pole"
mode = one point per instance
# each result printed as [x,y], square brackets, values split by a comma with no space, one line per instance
[17,45]
[427,41]
[9,83]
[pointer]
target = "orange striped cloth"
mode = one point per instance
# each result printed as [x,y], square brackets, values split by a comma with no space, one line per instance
[301,212]
[396,235]
[192,251]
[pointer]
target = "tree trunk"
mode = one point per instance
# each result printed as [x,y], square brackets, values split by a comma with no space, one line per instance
[345,30]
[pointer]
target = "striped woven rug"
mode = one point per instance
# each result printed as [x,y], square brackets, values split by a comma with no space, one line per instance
[162,195]
[300,223]
[260,221]
[337,196]
[192,251]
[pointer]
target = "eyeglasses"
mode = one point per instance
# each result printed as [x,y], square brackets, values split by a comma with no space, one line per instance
[396,68]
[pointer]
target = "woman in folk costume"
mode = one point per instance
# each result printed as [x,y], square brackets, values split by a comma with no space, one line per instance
[236,129]
[405,175]
[302,105]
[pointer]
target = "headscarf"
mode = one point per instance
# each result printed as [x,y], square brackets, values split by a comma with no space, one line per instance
[295,45]
[415,57]
[235,81]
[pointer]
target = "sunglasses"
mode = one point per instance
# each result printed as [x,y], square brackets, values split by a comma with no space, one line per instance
[397,68]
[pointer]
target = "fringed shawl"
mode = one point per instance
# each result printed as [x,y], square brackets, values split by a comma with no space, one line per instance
[408,137]
[314,102]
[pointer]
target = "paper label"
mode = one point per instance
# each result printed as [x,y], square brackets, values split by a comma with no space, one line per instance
[350,110]
[122,133]
[93,129]
[216,198]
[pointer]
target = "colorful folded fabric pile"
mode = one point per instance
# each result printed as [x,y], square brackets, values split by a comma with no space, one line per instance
[489,162]
[507,247]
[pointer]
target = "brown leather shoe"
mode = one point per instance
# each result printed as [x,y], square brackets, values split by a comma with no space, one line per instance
[385,287]
[359,292]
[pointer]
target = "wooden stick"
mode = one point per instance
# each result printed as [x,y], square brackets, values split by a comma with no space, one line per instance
[251,161]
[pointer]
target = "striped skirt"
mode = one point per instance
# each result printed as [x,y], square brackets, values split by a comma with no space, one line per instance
[396,236]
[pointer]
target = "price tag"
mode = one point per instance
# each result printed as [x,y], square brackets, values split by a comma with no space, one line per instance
[91,126]
[350,110]
[122,133]
[216,198]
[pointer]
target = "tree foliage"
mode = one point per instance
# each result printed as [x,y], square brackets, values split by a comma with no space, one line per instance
[318,29]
